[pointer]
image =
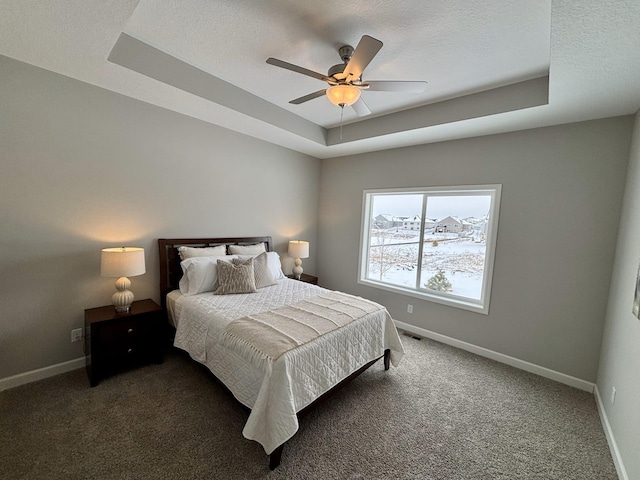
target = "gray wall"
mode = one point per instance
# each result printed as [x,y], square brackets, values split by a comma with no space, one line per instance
[561,200]
[82,168]
[620,358]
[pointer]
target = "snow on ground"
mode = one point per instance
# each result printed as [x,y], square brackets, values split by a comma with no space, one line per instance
[460,258]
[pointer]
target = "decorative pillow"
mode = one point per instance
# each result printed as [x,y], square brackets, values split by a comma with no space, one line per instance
[275,267]
[247,249]
[235,277]
[200,274]
[190,252]
[261,271]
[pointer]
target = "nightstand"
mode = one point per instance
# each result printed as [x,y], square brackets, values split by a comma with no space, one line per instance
[306,278]
[115,341]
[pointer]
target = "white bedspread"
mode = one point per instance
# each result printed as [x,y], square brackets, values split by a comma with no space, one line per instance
[295,379]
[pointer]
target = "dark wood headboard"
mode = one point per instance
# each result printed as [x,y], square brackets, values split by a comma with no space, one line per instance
[170,270]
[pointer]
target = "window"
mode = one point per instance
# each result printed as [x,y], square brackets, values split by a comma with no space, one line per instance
[436,243]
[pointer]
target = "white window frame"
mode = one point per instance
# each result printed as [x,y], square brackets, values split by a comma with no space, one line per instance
[479,306]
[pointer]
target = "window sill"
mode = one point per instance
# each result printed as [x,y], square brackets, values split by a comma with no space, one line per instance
[450,301]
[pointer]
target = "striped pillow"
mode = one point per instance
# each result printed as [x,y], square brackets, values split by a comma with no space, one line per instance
[235,277]
[261,270]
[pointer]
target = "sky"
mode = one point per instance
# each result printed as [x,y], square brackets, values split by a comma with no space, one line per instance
[438,207]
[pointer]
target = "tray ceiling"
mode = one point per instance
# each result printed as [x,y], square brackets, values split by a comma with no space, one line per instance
[491,66]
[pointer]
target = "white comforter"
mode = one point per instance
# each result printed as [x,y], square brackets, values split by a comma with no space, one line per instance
[299,376]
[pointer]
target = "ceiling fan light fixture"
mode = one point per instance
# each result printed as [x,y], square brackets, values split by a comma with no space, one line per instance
[341,95]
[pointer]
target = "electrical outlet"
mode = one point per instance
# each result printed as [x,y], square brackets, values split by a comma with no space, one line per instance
[613,395]
[76,335]
[409,308]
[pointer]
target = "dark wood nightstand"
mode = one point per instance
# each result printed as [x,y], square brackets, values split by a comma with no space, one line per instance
[306,278]
[115,341]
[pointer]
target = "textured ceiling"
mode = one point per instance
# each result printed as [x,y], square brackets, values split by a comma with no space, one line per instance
[458,50]
[491,66]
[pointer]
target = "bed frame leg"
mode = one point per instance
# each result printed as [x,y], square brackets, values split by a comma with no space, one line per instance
[274,458]
[276,455]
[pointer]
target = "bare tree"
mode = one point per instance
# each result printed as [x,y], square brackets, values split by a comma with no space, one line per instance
[381,256]
[388,253]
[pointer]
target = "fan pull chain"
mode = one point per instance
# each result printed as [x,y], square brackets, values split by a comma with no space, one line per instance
[341,115]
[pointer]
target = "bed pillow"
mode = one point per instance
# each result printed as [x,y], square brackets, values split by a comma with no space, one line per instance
[247,249]
[275,267]
[190,252]
[261,271]
[235,277]
[200,274]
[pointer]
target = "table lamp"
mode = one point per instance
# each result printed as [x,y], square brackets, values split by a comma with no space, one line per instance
[122,262]
[298,249]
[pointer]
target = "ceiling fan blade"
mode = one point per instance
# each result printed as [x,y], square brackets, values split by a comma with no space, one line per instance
[302,70]
[306,98]
[396,86]
[367,48]
[361,108]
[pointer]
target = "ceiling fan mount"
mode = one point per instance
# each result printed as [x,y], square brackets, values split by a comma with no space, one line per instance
[345,79]
[345,53]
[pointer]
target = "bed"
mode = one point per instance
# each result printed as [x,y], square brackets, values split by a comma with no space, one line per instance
[280,349]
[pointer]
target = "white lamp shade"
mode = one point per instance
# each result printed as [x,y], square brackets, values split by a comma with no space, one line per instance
[299,249]
[342,95]
[122,262]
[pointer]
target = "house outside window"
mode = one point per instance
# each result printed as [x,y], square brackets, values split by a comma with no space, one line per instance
[447,258]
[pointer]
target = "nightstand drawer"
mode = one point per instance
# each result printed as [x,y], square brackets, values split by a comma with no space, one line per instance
[125,329]
[125,353]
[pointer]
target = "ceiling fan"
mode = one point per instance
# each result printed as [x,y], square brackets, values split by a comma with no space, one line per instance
[345,79]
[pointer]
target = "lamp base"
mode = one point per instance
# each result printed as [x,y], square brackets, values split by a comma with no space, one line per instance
[123,298]
[297,270]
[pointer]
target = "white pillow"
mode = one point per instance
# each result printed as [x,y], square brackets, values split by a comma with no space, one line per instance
[273,260]
[190,252]
[200,274]
[247,249]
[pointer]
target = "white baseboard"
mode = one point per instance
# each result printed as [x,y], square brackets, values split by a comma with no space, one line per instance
[613,446]
[50,371]
[41,373]
[499,357]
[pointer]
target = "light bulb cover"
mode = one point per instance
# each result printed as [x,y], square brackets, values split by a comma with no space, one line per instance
[341,95]
[298,249]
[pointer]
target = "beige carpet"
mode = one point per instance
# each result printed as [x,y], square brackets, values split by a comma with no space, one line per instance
[443,414]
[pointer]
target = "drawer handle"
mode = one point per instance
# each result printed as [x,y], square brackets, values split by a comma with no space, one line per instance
[130,330]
